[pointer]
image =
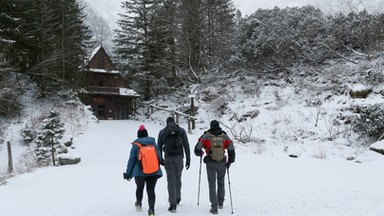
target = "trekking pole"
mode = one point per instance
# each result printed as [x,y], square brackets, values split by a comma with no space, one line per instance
[230,191]
[198,193]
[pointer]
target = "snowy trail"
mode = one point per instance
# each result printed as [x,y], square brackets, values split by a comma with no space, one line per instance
[261,185]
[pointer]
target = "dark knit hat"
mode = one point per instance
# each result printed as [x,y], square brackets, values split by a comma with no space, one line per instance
[170,120]
[215,125]
[142,132]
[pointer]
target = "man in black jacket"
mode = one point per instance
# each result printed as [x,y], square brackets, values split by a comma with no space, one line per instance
[173,141]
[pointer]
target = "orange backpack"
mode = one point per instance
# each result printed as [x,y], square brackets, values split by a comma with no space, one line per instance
[148,158]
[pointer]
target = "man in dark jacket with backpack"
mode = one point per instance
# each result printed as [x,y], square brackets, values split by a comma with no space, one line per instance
[215,141]
[173,141]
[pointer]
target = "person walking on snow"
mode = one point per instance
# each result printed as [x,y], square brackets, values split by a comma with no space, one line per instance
[215,141]
[141,179]
[173,141]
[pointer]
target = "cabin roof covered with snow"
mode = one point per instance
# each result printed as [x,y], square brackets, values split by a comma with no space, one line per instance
[99,61]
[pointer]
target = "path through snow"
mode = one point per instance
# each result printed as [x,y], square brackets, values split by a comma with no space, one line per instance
[261,185]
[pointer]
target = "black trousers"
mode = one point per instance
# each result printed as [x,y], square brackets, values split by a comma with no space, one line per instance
[150,181]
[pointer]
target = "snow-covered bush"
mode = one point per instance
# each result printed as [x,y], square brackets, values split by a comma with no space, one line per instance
[252,91]
[373,72]
[46,138]
[218,101]
[360,91]
[370,121]
[29,135]
[27,162]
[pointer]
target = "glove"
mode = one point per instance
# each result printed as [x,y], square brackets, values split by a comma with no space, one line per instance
[187,164]
[162,162]
[228,164]
[126,177]
[199,153]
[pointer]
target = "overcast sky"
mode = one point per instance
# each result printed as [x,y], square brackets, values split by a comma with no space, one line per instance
[249,6]
[109,9]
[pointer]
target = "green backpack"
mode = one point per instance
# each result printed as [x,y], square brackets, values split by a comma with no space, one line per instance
[217,147]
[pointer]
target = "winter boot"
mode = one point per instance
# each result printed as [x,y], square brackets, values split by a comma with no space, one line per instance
[172,208]
[151,212]
[138,206]
[178,201]
[221,204]
[213,210]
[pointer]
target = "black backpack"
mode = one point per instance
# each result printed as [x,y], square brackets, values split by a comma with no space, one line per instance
[173,140]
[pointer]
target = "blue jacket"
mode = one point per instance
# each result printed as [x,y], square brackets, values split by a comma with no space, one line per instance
[133,168]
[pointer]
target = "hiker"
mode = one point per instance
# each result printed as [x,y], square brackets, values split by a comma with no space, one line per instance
[173,141]
[136,169]
[215,141]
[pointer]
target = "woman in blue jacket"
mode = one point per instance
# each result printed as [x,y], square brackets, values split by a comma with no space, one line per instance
[134,170]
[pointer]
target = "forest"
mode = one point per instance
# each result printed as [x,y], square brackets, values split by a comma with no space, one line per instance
[164,46]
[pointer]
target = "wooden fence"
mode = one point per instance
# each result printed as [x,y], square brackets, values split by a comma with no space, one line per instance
[174,113]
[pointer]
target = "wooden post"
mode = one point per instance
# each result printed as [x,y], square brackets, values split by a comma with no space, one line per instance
[189,125]
[192,107]
[134,108]
[177,118]
[192,96]
[10,162]
[193,124]
[53,153]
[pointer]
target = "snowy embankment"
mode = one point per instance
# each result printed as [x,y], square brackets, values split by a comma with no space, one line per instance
[261,185]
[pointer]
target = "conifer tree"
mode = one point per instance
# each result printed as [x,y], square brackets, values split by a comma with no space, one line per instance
[47,140]
[137,42]
[163,40]
[74,41]
[48,41]
[191,33]
[218,30]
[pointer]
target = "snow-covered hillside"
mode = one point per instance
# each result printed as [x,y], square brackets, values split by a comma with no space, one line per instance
[73,114]
[303,115]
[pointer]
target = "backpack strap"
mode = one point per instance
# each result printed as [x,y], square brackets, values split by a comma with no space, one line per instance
[138,151]
[138,144]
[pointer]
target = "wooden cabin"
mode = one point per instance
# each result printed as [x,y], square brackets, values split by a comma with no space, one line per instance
[105,90]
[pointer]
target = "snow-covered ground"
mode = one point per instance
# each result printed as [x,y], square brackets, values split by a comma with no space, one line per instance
[261,185]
